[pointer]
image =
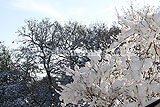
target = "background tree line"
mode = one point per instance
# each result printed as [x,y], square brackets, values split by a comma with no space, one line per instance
[48,47]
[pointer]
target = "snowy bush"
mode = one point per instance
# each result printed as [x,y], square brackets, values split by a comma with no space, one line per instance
[128,79]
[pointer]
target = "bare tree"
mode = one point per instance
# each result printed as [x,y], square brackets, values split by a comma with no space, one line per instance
[40,41]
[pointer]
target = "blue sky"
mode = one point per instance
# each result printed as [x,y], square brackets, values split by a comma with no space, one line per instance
[14,12]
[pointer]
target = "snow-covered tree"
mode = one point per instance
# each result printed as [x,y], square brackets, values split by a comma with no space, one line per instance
[5,58]
[129,78]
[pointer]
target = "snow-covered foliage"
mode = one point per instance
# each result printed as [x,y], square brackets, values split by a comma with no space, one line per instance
[93,83]
[129,78]
[18,92]
[5,58]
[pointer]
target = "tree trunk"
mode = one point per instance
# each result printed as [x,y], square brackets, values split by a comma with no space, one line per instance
[52,85]
[49,78]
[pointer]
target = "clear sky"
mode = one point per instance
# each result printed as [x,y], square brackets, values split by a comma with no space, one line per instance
[14,12]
